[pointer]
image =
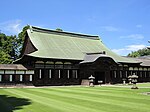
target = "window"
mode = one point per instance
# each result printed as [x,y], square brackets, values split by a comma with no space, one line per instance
[59,65]
[10,78]
[120,74]
[130,68]
[1,71]
[145,74]
[115,75]
[9,72]
[140,68]
[50,74]
[30,72]
[21,78]
[40,74]
[59,73]
[19,72]
[136,68]
[126,74]
[68,74]
[30,78]
[145,69]
[136,72]
[140,74]
[0,78]
[74,74]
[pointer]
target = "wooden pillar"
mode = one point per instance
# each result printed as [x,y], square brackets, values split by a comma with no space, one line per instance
[107,76]
[63,73]
[44,74]
[54,70]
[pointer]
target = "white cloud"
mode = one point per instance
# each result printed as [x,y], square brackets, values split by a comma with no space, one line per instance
[128,49]
[109,28]
[12,27]
[138,26]
[133,36]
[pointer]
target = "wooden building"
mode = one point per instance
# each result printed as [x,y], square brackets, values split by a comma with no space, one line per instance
[64,58]
[11,74]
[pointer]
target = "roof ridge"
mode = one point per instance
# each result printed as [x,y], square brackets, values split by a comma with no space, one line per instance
[44,30]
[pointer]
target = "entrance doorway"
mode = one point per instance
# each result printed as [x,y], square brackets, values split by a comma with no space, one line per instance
[99,76]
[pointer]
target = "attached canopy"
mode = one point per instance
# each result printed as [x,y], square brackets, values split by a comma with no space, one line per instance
[13,67]
[145,60]
[92,57]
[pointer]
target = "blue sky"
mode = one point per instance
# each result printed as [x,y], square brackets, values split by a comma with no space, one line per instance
[123,25]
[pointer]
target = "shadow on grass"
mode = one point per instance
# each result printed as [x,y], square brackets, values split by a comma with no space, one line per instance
[9,103]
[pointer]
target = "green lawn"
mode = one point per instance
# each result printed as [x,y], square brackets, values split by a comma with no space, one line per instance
[140,85]
[143,84]
[74,99]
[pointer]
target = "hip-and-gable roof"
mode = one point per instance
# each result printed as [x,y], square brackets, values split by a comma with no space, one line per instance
[69,46]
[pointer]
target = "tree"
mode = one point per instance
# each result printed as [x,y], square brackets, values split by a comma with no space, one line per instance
[141,52]
[7,48]
[11,46]
[4,57]
[15,48]
[59,29]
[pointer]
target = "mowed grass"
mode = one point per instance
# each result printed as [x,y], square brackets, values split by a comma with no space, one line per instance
[74,99]
[140,85]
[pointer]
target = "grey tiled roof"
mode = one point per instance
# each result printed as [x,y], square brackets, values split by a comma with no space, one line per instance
[13,67]
[93,57]
[145,60]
